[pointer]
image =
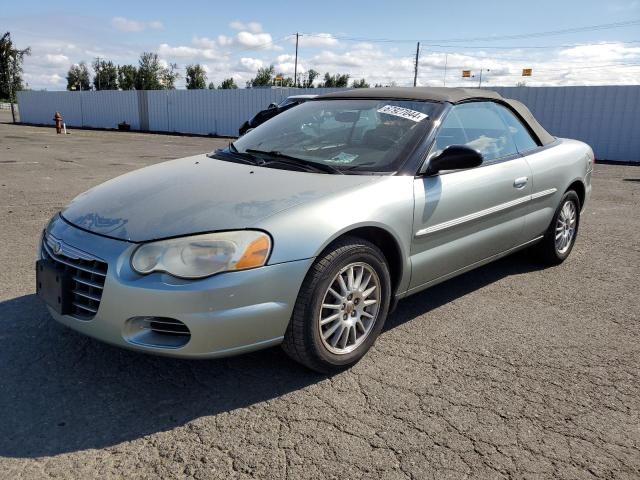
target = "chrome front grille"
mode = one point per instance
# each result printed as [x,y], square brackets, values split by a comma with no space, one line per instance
[88,275]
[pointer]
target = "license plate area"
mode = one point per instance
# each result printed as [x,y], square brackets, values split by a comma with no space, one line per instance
[54,286]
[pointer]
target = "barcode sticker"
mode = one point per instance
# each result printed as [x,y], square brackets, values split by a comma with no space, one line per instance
[403,113]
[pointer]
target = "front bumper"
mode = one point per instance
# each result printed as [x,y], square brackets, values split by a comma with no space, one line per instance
[226,314]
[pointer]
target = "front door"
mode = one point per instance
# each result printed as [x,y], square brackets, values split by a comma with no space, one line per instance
[466,216]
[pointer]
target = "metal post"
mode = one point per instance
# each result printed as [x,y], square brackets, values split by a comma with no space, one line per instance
[295,68]
[11,90]
[415,72]
[444,79]
[98,72]
[480,81]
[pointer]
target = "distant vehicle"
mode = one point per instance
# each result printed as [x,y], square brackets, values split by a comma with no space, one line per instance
[307,230]
[272,110]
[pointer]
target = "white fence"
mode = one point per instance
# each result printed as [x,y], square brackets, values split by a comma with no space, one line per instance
[606,117]
[205,112]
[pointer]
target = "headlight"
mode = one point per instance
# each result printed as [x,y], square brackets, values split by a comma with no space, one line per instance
[203,255]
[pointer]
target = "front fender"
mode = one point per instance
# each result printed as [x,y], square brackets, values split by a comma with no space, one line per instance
[306,230]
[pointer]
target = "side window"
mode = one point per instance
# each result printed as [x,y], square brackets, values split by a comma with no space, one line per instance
[480,126]
[521,136]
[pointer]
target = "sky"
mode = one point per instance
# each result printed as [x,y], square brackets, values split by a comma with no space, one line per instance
[567,42]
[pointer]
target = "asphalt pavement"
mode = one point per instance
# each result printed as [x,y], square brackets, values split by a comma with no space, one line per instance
[509,371]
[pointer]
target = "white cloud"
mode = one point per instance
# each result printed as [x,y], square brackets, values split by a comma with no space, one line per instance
[223,40]
[248,39]
[248,64]
[203,42]
[184,52]
[253,27]
[316,40]
[127,25]
[603,51]
[55,60]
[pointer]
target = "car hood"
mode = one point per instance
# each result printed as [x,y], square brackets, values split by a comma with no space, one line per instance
[196,194]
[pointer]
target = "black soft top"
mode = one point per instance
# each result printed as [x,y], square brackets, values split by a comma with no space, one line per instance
[436,94]
[450,95]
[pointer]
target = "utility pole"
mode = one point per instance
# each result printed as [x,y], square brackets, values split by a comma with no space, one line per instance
[444,78]
[480,82]
[295,68]
[98,71]
[12,92]
[415,71]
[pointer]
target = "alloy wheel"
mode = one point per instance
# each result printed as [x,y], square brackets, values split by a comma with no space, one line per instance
[566,227]
[349,308]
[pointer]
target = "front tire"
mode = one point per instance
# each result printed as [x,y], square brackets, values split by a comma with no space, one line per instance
[341,308]
[561,235]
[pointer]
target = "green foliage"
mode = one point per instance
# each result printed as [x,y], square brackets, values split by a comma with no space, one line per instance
[309,78]
[264,77]
[106,75]
[196,77]
[212,86]
[228,84]
[362,83]
[153,76]
[281,81]
[127,75]
[337,81]
[10,68]
[149,72]
[78,77]
[169,76]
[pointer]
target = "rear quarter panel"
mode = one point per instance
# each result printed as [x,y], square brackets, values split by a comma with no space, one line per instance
[556,167]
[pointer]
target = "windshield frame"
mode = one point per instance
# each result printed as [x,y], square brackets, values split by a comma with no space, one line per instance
[405,155]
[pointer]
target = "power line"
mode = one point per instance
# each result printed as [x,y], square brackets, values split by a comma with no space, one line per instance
[588,28]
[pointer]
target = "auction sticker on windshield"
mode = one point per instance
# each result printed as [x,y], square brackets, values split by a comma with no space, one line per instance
[403,113]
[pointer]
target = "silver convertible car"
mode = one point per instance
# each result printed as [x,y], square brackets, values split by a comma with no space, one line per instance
[307,230]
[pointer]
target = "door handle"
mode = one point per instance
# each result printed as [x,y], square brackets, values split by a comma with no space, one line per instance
[520,182]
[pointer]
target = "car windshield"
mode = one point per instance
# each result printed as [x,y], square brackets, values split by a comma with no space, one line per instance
[364,135]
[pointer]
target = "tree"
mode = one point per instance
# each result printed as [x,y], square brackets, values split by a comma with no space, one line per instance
[362,83]
[78,77]
[336,81]
[264,77]
[127,75]
[196,77]
[212,86]
[150,71]
[10,68]
[153,76]
[310,78]
[228,84]
[282,81]
[169,76]
[106,77]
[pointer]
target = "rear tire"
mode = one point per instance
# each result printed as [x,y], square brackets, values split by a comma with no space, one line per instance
[341,308]
[561,235]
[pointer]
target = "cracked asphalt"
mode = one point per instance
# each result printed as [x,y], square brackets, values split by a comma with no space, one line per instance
[510,371]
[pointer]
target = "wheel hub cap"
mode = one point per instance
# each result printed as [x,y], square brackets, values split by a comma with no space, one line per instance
[349,308]
[566,227]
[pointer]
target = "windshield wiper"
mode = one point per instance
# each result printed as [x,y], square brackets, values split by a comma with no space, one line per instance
[279,157]
[234,155]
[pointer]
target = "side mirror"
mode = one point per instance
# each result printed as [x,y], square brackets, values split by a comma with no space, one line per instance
[454,157]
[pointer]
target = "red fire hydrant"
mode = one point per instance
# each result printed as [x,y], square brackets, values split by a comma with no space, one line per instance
[58,118]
